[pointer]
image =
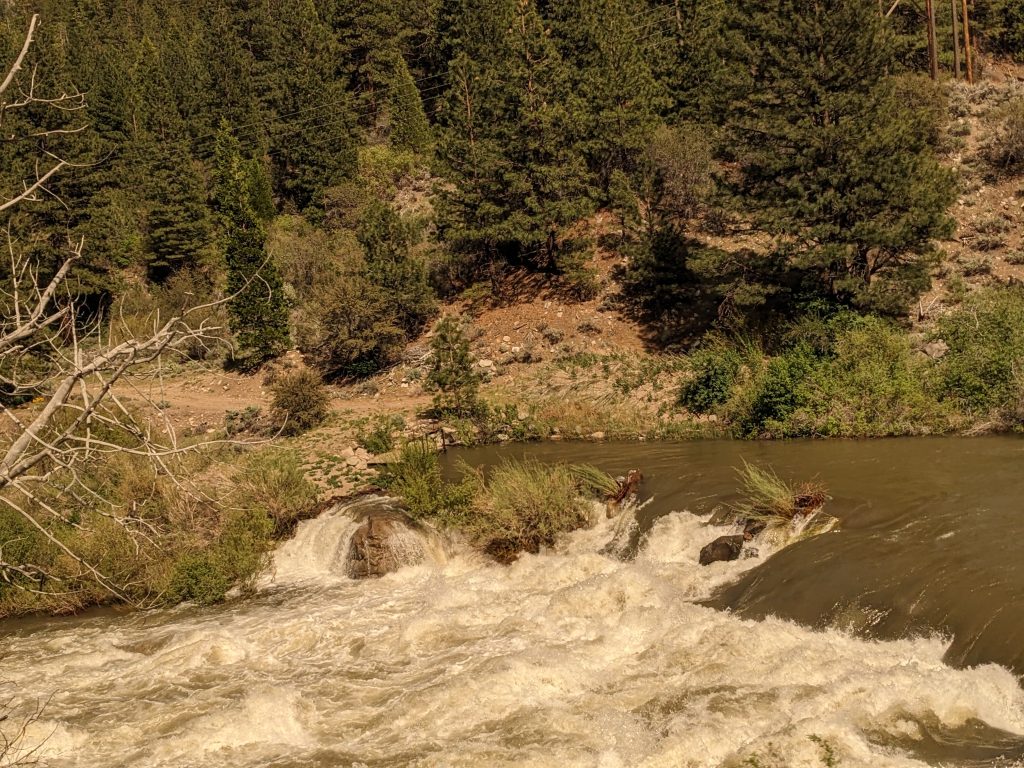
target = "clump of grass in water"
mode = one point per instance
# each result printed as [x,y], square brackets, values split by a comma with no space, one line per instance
[785,509]
[526,505]
[520,507]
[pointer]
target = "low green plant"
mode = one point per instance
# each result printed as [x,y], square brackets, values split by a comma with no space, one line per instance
[300,401]
[775,503]
[776,394]
[274,483]
[980,371]
[716,369]
[378,435]
[1004,147]
[527,504]
[416,477]
[240,552]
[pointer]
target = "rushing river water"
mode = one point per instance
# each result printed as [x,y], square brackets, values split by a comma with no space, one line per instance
[896,641]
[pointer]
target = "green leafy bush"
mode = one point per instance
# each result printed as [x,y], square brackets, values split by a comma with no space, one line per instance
[982,370]
[715,371]
[871,385]
[526,505]
[273,482]
[378,436]
[237,556]
[417,478]
[776,394]
[300,401]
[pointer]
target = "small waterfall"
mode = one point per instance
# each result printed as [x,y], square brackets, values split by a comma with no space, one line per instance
[321,548]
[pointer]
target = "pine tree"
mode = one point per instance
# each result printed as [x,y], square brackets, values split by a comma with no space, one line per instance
[828,160]
[312,126]
[607,43]
[391,265]
[511,125]
[452,377]
[258,309]
[409,127]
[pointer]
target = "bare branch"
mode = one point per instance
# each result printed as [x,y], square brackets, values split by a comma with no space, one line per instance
[18,62]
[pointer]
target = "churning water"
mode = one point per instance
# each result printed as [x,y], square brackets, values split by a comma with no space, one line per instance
[567,658]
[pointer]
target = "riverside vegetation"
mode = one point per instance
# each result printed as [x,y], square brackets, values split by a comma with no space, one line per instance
[791,230]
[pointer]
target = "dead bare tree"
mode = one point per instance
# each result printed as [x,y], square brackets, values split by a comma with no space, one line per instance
[73,377]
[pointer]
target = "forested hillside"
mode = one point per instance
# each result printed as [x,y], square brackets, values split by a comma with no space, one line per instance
[479,220]
[389,154]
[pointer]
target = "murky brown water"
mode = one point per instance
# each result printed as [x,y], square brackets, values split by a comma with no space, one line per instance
[931,539]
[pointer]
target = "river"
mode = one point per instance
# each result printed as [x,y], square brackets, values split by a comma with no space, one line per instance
[897,640]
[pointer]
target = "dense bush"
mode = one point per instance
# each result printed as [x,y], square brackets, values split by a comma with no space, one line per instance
[983,369]
[300,401]
[527,505]
[715,370]
[870,386]
[417,478]
[776,394]
[274,482]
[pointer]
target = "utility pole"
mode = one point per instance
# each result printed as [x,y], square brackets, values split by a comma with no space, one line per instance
[956,41]
[967,45]
[933,46]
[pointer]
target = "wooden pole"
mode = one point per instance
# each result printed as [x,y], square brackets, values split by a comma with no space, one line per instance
[967,45]
[956,41]
[933,46]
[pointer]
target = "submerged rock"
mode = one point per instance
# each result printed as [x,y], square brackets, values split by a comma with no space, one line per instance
[387,540]
[722,549]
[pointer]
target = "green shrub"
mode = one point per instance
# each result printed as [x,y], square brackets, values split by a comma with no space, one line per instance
[378,436]
[1004,147]
[198,579]
[236,557]
[870,386]
[715,371]
[417,478]
[776,394]
[300,401]
[986,350]
[274,483]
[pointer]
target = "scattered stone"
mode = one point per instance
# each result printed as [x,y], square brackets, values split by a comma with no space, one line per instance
[597,436]
[722,549]
[506,339]
[486,363]
[935,349]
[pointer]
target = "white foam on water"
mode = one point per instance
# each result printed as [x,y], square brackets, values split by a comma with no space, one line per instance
[566,658]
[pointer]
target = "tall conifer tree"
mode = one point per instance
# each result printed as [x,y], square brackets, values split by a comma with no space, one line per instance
[258,309]
[828,160]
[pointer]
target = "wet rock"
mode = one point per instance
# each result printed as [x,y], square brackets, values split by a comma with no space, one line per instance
[753,527]
[386,541]
[722,549]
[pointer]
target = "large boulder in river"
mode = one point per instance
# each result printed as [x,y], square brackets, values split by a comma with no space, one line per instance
[721,549]
[386,540]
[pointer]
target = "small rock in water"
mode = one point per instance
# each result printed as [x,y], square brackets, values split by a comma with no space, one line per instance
[750,552]
[753,527]
[722,549]
[383,544]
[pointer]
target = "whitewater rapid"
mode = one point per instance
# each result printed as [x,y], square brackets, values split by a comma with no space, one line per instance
[566,658]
